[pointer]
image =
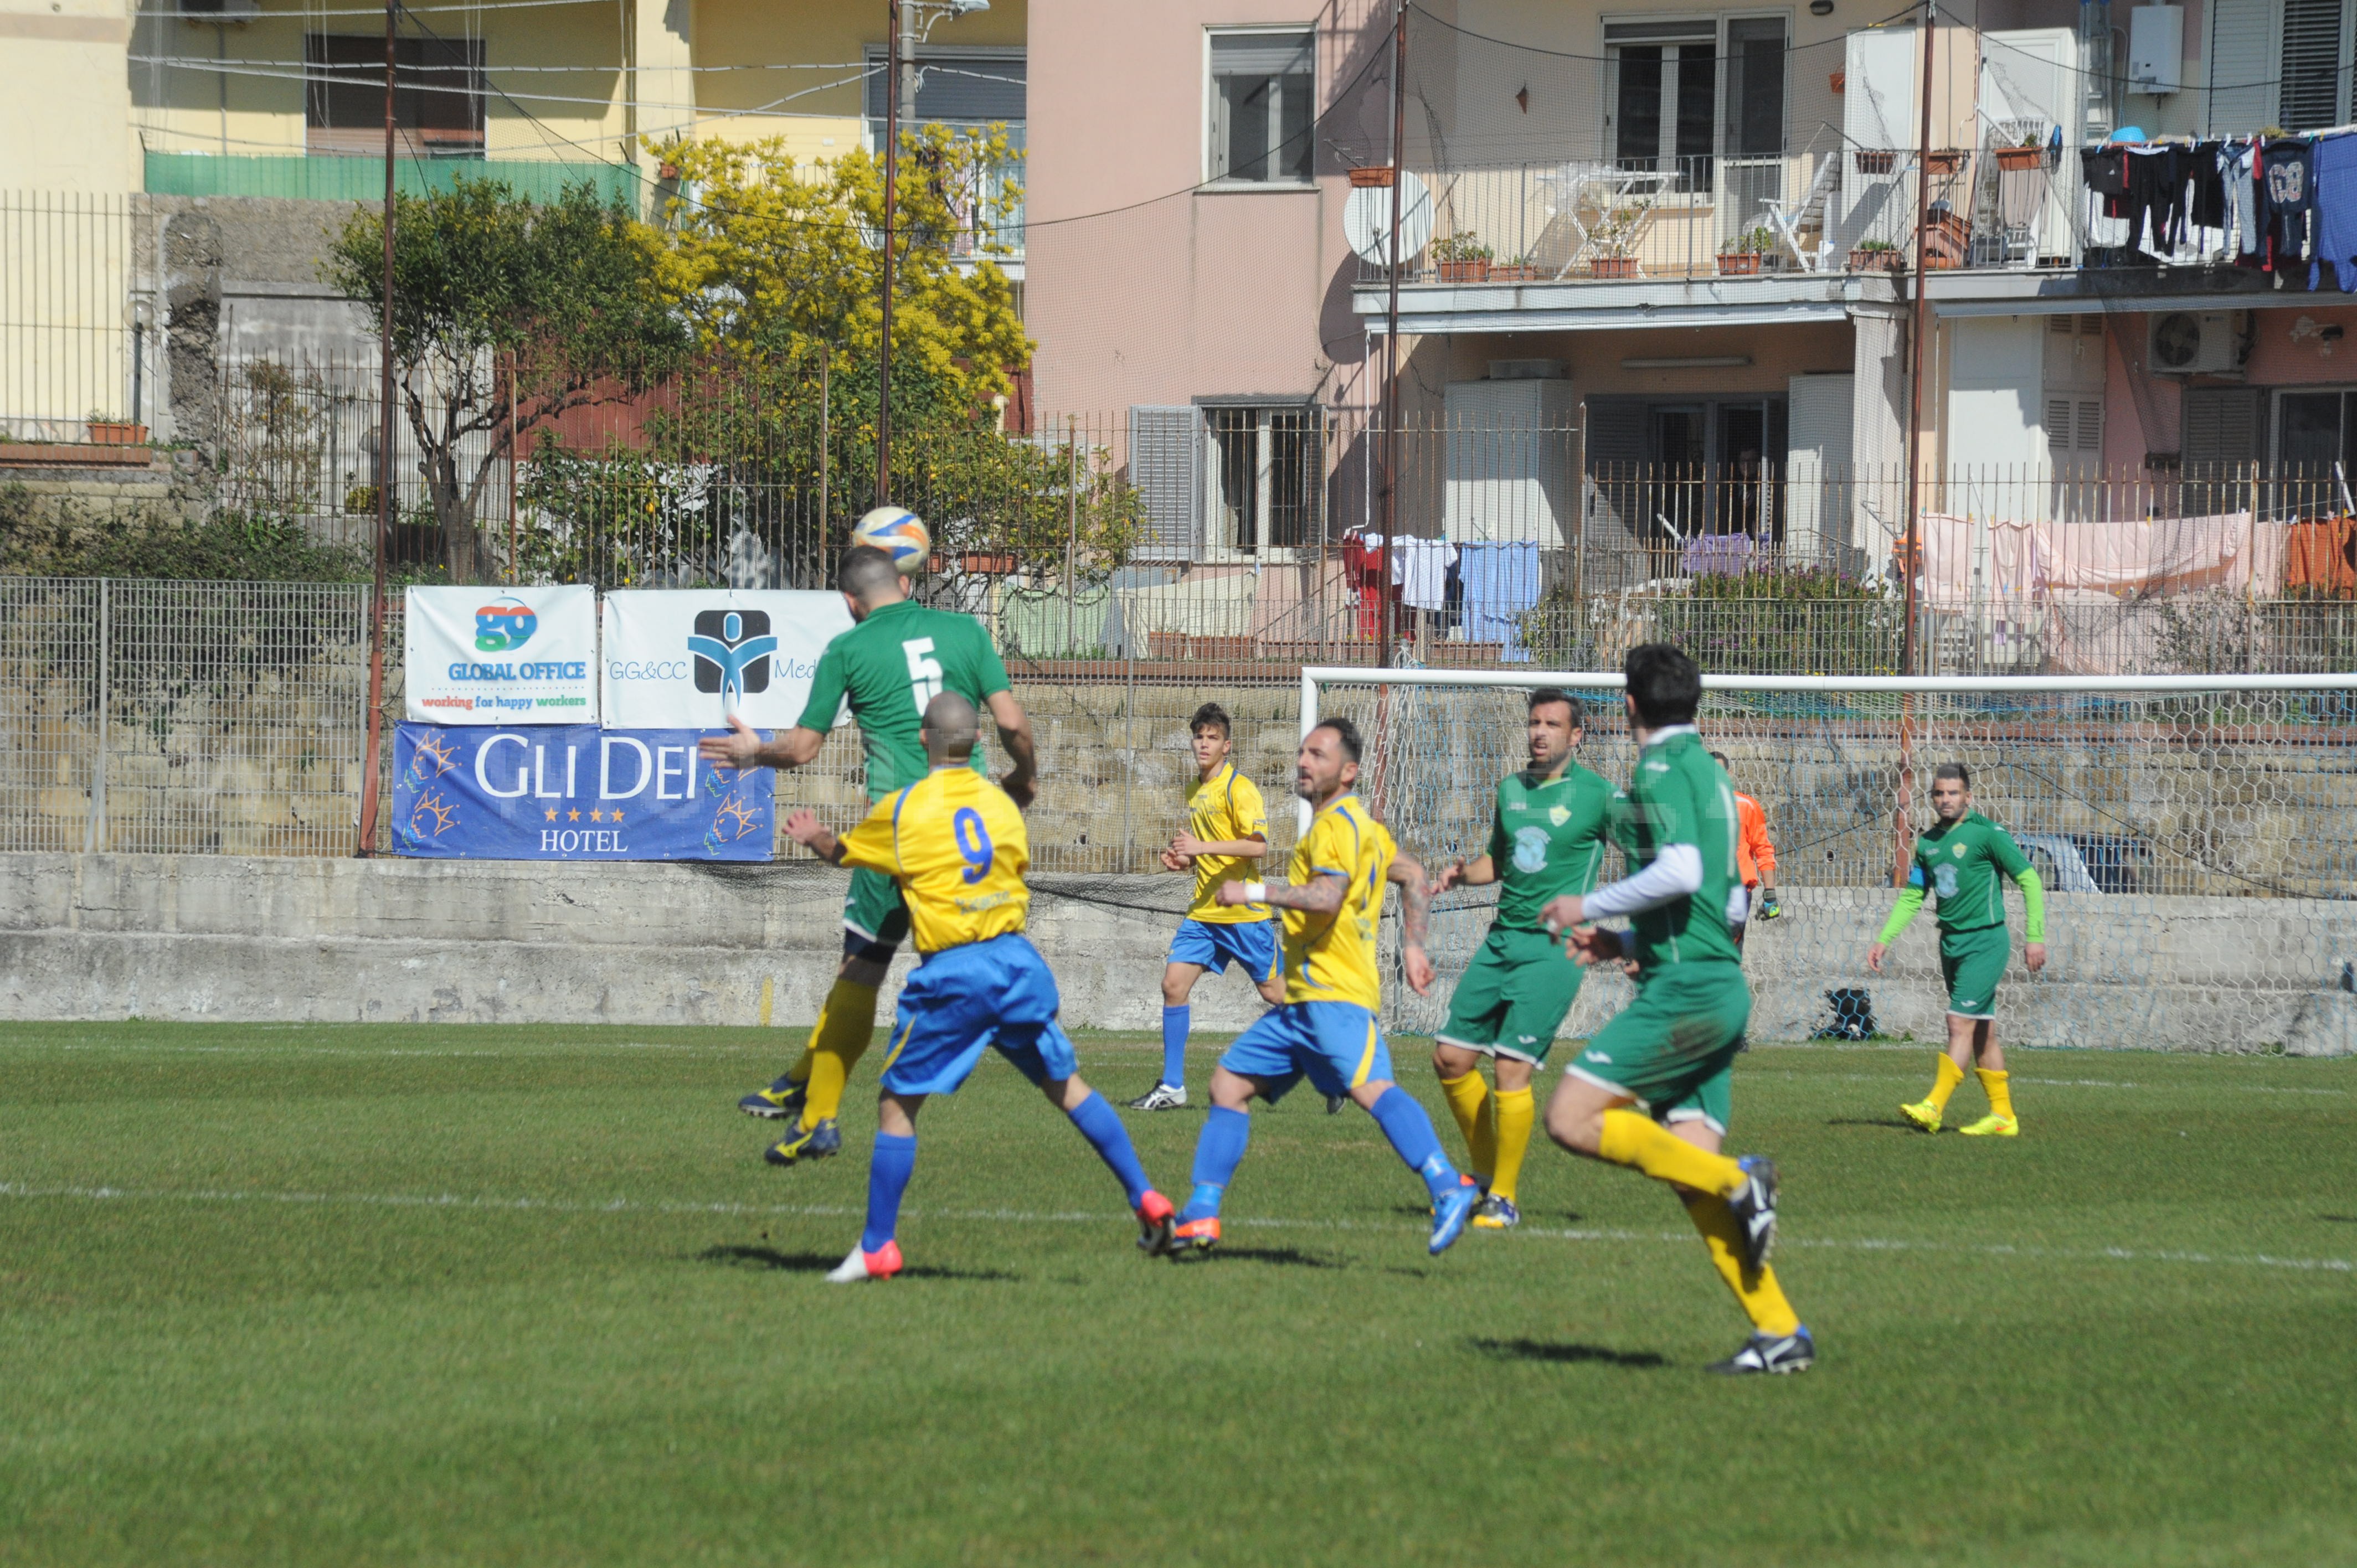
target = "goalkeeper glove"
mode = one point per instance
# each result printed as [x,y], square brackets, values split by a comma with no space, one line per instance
[1769,908]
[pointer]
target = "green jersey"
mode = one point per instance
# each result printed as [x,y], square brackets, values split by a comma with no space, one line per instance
[1958,862]
[1547,840]
[1678,795]
[888,668]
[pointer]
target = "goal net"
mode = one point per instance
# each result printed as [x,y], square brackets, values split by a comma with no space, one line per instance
[2197,837]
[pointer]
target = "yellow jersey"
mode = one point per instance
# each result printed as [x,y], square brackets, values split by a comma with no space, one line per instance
[956,844]
[1222,809]
[1331,958]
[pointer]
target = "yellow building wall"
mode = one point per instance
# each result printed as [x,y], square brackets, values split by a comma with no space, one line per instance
[63,108]
[819,111]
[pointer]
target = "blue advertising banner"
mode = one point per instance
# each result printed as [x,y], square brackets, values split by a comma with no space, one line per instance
[574,792]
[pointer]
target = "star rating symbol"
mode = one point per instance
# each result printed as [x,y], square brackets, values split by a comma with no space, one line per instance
[552,813]
[595,816]
[618,813]
[572,816]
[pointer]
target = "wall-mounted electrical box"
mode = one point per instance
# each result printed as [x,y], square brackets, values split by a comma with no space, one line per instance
[2156,49]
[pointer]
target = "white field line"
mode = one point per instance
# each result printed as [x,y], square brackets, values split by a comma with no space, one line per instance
[593,1047]
[1023,1216]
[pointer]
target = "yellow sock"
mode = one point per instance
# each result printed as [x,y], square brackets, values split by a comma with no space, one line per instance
[1469,1101]
[1513,1109]
[846,1021]
[1762,1298]
[1944,1085]
[2000,1092]
[1631,1139]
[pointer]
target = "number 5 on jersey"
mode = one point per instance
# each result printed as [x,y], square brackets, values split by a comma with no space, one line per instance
[924,671]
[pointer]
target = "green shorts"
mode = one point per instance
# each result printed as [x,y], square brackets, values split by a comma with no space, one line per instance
[1972,962]
[1673,1047]
[875,910]
[1514,997]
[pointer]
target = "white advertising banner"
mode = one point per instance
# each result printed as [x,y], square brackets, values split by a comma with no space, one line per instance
[500,656]
[686,657]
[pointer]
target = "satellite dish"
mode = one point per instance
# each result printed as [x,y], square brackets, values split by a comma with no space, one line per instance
[1367,220]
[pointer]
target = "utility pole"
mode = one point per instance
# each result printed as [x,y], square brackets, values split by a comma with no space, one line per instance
[373,749]
[1910,554]
[1391,337]
[902,85]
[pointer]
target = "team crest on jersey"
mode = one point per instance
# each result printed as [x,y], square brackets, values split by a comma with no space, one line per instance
[1558,815]
[1529,849]
[1958,852]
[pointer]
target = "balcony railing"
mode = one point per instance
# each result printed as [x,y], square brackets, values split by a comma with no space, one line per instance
[1826,212]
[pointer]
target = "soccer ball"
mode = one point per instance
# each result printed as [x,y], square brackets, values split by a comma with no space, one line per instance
[899,533]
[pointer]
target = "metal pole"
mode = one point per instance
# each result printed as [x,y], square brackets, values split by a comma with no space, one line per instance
[825,432]
[891,201]
[1917,347]
[1910,563]
[95,837]
[1072,522]
[515,571]
[1391,337]
[373,751]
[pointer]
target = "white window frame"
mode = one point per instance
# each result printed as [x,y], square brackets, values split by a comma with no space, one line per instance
[1220,547]
[1716,21]
[1214,183]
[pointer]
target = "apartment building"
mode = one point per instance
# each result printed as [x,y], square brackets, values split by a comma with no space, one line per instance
[1682,233]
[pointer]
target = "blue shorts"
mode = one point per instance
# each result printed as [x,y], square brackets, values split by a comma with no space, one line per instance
[1250,945]
[965,999]
[1335,1045]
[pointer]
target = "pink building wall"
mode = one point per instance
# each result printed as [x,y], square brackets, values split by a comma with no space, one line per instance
[2277,360]
[1141,288]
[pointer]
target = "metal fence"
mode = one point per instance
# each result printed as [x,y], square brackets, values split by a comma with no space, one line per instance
[183,717]
[72,347]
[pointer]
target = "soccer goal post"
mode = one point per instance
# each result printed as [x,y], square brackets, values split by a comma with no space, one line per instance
[2196,835]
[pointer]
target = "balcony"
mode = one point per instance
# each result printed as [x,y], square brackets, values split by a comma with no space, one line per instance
[327,179]
[1819,215]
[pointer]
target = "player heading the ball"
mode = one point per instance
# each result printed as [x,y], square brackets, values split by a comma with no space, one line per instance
[955,845]
[1957,860]
[1326,1029]
[1227,831]
[897,657]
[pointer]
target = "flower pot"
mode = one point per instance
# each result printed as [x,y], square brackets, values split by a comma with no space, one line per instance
[1875,160]
[1613,267]
[987,564]
[1944,162]
[1875,261]
[1739,263]
[116,433]
[2014,160]
[1464,272]
[1513,274]
[1376,177]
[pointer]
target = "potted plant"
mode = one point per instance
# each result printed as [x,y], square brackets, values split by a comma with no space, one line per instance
[115,432]
[1463,259]
[1521,269]
[1745,254]
[1875,160]
[1616,239]
[1945,162]
[2027,155]
[1873,256]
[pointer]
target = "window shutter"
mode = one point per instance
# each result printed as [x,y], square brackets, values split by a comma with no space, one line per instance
[2058,424]
[2221,427]
[1166,463]
[2242,66]
[2311,94]
[1262,54]
[2091,426]
[972,89]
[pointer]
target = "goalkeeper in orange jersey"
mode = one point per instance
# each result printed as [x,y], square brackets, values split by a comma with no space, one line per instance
[1755,854]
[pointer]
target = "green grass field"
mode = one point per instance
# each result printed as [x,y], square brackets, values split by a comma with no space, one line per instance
[473,1296]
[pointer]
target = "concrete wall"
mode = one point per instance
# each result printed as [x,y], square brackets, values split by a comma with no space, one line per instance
[390,941]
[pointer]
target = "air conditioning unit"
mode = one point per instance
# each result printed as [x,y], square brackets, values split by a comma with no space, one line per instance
[2192,343]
